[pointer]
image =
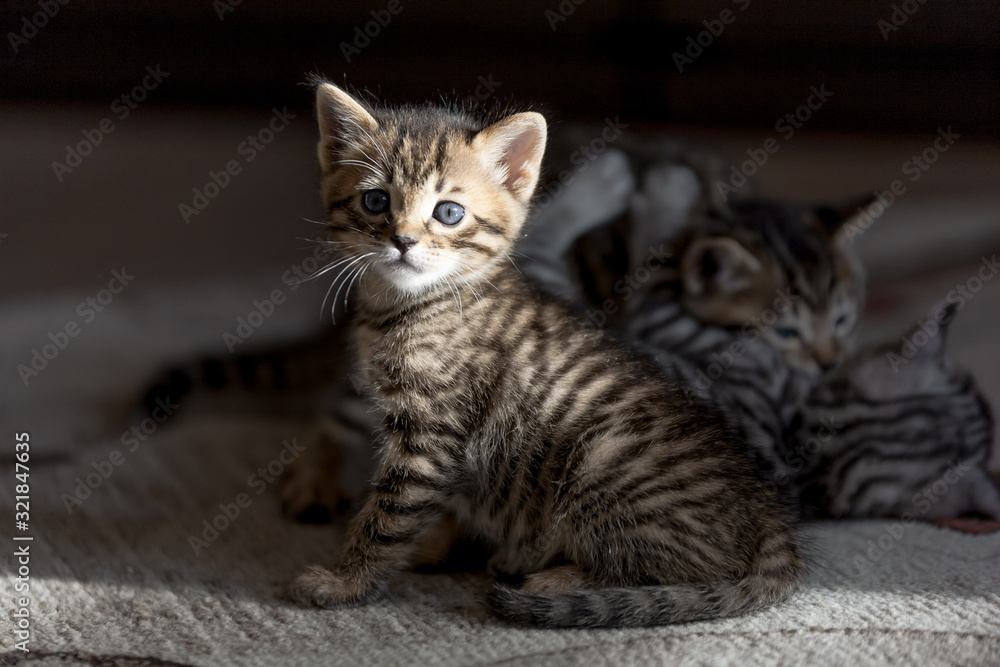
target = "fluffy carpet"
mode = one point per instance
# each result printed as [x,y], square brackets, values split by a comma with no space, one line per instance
[116,577]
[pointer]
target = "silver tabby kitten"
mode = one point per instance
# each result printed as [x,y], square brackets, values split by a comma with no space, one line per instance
[617,497]
[916,439]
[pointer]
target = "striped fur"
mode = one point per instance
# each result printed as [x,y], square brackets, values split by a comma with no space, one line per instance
[912,440]
[613,493]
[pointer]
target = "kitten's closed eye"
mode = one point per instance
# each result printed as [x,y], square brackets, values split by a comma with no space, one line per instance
[787,332]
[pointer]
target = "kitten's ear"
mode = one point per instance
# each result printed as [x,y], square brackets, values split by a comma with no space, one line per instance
[342,119]
[835,216]
[935,330]
[718,265]
[514,147]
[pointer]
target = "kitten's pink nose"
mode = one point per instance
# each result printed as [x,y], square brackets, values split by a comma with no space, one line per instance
[403,242]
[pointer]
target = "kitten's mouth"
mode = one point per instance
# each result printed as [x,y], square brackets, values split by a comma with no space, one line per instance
[404,263]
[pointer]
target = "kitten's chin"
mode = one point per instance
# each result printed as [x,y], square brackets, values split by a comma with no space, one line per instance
[409,278]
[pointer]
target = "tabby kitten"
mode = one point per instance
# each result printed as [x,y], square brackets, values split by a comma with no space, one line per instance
[782,272]
[616,496]
[874,442]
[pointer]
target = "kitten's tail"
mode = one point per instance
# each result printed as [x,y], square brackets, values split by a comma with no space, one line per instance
[642,606]
[290,367]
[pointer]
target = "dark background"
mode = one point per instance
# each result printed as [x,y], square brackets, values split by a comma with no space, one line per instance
[606,57]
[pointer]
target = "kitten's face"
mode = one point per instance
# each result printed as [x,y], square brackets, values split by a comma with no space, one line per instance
[783,272]
[424,197]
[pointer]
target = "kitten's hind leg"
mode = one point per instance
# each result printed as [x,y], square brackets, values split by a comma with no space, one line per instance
[313,490]
[559,579]
[435,545]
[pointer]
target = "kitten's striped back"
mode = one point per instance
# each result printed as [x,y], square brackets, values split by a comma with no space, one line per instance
[883,441]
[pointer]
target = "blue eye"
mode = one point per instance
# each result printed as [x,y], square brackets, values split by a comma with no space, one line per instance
[449,213]
[786,332]
[375,201]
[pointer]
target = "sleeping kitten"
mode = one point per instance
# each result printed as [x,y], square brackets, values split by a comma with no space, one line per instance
[780,272]
[619,498]
[875,441]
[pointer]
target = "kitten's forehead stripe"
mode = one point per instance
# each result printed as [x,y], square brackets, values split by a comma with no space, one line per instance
[804,255]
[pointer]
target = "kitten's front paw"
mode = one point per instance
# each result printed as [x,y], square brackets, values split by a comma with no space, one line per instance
[318,586]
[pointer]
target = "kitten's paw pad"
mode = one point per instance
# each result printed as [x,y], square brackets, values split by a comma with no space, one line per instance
[322,588]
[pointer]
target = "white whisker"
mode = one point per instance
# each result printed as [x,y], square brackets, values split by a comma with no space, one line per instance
[457,295]
[333,308]
[360,272]
[329,267]
[511,261]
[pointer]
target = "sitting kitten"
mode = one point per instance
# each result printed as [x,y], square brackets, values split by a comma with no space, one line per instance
[877,441]
[619,498]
